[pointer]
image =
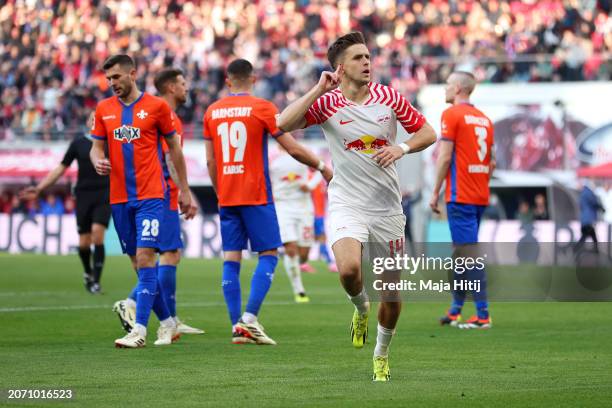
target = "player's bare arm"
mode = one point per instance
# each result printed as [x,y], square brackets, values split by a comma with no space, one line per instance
[98,158]
[292,117]
[444,160]
[493,162]
[304,156]
[30,193]
[421,140]
[175,178]
[178,160]
[211,163]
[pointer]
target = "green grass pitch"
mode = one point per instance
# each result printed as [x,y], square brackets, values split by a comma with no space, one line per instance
[54,336]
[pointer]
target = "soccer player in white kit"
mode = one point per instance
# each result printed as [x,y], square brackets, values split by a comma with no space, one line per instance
[359,119]
[291,188]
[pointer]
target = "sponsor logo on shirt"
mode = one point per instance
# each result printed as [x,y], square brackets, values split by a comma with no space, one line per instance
[126,134]
[108,117]
[366,144]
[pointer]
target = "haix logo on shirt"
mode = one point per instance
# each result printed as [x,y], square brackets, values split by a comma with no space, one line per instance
[142,114]
[126,134]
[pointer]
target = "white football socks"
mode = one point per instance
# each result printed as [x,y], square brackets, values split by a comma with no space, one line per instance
[292,267]
[383,340]
[249,318]
[169,322]
[131,303]
[361,301]
[140,329]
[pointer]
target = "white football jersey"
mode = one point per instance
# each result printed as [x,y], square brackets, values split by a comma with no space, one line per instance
[288,175]
[354,133]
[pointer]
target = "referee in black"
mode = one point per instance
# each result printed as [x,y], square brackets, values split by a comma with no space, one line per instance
[92,206]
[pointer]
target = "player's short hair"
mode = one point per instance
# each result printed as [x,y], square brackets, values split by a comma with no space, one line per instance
[240,69]
[124,60]
[335,51]
[164,77]
[467,81]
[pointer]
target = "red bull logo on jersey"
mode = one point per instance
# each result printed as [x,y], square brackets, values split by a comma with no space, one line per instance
[366,144]
[126,134]
[291,177]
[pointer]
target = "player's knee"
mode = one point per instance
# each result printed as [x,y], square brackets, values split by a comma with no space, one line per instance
[84,240]
[170,258]
[97,234]
[291,249]
[145,258]
[349,269]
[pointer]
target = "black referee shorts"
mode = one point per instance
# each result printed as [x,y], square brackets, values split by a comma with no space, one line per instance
[92,207]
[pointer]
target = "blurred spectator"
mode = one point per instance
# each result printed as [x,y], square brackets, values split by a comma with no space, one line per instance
[540,211]
[51,205]
[525,215]
[69,205]
[51,50]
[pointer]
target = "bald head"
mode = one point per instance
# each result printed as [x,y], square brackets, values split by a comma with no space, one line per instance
[460,84]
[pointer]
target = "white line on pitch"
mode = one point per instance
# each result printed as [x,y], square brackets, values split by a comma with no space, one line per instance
[86,307]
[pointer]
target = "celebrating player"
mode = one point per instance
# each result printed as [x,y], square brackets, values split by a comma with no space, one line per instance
[131,124]
[92,208]
[466,161]
[172,87]
[359,119]
[235,132]
[291,188]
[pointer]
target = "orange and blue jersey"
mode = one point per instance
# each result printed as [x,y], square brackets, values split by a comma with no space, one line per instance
[319,199]
[172,187]
[471,131]
[133,133]
[238,126]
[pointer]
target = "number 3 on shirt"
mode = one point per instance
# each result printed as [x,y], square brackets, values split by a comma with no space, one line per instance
[234,135]
[481,133]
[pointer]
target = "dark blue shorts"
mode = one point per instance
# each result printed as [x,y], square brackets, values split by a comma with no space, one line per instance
[464,221]
[319,226]
[139,224]
[256,223]
[170,240]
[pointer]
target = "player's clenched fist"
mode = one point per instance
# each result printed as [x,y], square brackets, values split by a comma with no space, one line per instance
[103,167]
[330,80]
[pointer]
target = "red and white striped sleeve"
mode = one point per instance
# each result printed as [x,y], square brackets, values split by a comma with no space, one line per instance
[410,118]
[323,108]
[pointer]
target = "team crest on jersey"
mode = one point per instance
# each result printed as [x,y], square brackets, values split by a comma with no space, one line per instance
[142,114]
[126,134]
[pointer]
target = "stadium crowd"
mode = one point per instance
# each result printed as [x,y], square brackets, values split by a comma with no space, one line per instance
[51,50]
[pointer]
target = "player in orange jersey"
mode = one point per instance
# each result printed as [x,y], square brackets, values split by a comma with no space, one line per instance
[132,123]
[466,161]
[236,130]
[172,87]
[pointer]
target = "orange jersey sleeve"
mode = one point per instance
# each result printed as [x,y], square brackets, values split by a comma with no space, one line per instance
[238,126]
[471,132]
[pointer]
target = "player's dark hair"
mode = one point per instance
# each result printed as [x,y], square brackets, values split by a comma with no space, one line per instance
[335,51]
[164,77]
[240,69]
[124,60]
